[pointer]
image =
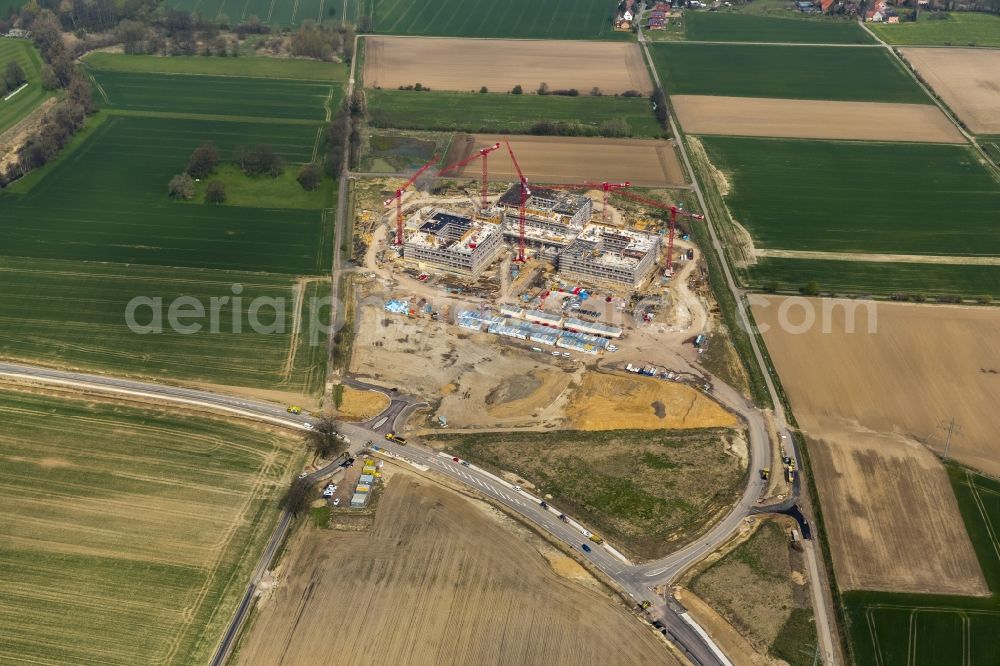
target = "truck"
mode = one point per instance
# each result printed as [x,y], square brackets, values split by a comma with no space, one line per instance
[393,437]
[765,473]
[596,539]
[789,473]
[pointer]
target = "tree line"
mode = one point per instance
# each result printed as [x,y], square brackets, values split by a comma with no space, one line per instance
[63,120]
[150,27]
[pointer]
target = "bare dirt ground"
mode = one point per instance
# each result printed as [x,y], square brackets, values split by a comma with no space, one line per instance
[874,405]
[612,402]
[925,365]
[440,579]
[478,382]
[500,64]
[357,405]
[892,517]
[968,80]
[561,159]
[813,119]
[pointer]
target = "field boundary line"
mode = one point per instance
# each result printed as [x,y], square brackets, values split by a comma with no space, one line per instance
[180,115]
[870,257]
[270,11]
[323,82]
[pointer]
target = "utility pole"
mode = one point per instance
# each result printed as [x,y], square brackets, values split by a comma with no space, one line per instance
[952,429]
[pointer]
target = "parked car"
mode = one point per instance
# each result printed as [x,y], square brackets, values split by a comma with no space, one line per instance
[336,502]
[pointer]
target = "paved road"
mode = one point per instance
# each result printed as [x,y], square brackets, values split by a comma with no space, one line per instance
[636,581]
[820,601]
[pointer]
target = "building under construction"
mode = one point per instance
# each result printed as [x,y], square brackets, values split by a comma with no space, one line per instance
[608,254]
[552,219]
[455,243]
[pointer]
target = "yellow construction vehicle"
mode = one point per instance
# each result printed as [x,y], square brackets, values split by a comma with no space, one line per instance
[765,473]
[294,409]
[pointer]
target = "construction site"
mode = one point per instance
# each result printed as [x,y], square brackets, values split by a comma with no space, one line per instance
[530,300]
[496,235]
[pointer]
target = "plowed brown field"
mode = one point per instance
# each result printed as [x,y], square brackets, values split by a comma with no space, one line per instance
[440,579]
[872,404]
[501,64]
[557,159]
[813,119]
[968,80]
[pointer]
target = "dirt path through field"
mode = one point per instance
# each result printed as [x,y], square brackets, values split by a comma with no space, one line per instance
[893,258]
[968,80]
[501,64]
[440,579]
[813,119]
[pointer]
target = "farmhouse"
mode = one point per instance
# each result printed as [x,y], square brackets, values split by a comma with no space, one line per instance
[454,243]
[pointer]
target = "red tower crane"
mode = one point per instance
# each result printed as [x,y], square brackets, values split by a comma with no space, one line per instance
[482,152]
[398,198]
[525,193]
[674,213]
[606,188]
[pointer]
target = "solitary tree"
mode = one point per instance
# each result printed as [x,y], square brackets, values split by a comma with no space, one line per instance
[298,497]
[517,90]
[483,90]
[204,160]
[215,193]
[181,187]
[811,288]
[14,75]
[310,176]
[323,438]
[543,89]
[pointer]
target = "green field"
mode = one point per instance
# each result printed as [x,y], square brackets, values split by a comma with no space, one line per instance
[278,13]
[107,201]
[835,196]
[72,314]
[264,192]
[253,67]
[958,29]
[274,99]
[647,491]
[876,278]
[740,27]
[25,101]
[792,72]
[901,629]
[556,19]
[503,113]
[128,534]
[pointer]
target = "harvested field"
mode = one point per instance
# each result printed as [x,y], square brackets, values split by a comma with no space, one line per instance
[612,402]
[469,64]
[968,80]
[891,515]
[357,405]
[925,365]
[127,534]
[873,404]
[649,492]
[443,580]
[557,159]
[813,119]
